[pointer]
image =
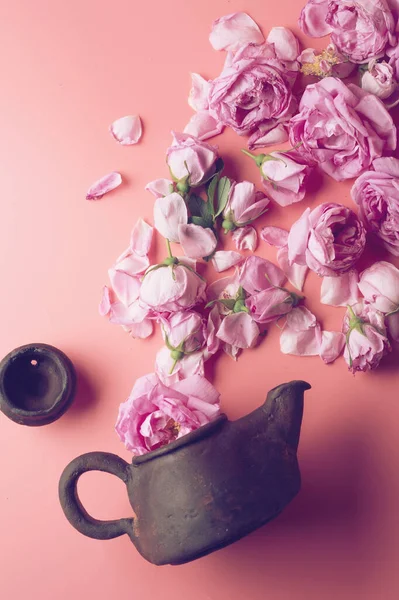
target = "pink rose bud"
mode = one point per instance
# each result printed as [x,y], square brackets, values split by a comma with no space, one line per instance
[329,239]
[379,80]
[191,162]
[377,195]
[366,338]
[380,286]
[352,128]
[271,304]
[155,414]
[244,205]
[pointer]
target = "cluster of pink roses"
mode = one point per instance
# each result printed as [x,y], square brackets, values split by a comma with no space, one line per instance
[343,129]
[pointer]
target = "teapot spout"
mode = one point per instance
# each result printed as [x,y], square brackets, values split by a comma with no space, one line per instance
[284,410]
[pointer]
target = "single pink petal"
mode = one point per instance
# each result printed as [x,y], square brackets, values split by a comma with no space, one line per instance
[131,263]
[275,236]
[312,20]
[212,325]
[203,125]
[197,242]
[232,351]
[170,372]
[257,274]
[225,259]
[105,302]
[198,97]
[160,187]
[341,290]
[235,30]
[126,287]
[239,329]
[169,213]
[163,286]
[127,315]
[265,135]
[301,319]
[392,322]
[246,238]
[103,186]
[141,330]
[298,239]
[301,333]
[141,238]
[296,274]
[226,287]
[285,43]
[198,387]
[127,130]
[331,345]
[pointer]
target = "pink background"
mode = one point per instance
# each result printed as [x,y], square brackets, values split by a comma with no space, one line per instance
[68,70]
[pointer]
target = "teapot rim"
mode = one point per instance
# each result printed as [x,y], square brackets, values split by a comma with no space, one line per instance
[185,440]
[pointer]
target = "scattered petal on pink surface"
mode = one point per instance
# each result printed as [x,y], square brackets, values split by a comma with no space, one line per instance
[313,18]
[275,236]
[105,302]
[169,213]
[197,242]
[331,345]
[103,186]
[245,238]
[127,130]
[257,274]
[235,30]
[300,335]
[296,274]
[232,351]
[198,96]
[239,329]
[225,259]
[203,125]
[141,238]
[266,135]
[340,291]
[285,43]
[160,187]
[141,330]
[125,286]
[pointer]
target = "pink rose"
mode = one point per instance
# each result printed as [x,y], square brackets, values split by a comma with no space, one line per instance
[361,29]
[284,178]
[172,288]
[377,195]
[366,338]
[191,160]
[155,414]
[342,128]
[244,205]
[271,304]
[253,91]
[329,239]
[379,80]
[380,286]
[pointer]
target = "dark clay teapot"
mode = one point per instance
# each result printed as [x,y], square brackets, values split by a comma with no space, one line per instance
[205,490]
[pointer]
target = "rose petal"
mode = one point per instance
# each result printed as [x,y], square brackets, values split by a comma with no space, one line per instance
[141,238]
[331,345]
[197,242]
[225,259]
[340,291]
[298,239]
[125,286]
[127,130]
[296,274]
[246,238]
[169,213]
[257,274]
[198,96]
[160,187]
[203,126]
[232,351]
[127,316]
[235,30]
[103,186]
[198,387]
[105,302]
[285,43]
[300,334]
[239,329]
[275,236]
[141,330]
[312,20]
[265,135]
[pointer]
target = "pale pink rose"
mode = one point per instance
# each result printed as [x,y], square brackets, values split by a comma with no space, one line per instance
[184,330]
[172,288]
[284,178]
[196,241]
[169,213]
[379,80]
[340,291]
[239,330]
[244,205]
[253,91]
[190,159]
[203,125]
[361,29]
[160,187]
[235,30]
[380,286]
[127,130]
[271,304]
[285,43]
[329,239]
[342,128]
[366,338]
[377,195]
[155,414]
[245,238]
[104,185]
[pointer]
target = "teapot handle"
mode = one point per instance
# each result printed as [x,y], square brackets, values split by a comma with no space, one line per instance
[72,506]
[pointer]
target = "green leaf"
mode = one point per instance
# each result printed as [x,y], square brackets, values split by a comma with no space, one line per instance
[195,205]
[223,194]
[211,194]
[199,221]
[200,209]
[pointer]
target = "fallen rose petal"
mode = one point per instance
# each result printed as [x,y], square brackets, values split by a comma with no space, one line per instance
[125,286]
[300,334]
[141,330]
[160,187]
[298,239]
[296,274]
[212,325]
[257,274]
[170,372]
[169,213]
[265,135]
[198,96]
[331,345]
[141,238]
[203,126]
[127,130]
[312,20]
[235,30]
[197,242]
[105,302]
[239,329]
[285,43]
[103,186]
[275,236]
[340,291]
[232,351]
[245,238]
[225,259]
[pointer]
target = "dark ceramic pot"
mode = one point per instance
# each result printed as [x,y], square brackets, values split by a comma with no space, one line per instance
[37,384]
[205,490]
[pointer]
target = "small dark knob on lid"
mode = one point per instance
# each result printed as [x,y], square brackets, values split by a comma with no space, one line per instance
[37,384]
